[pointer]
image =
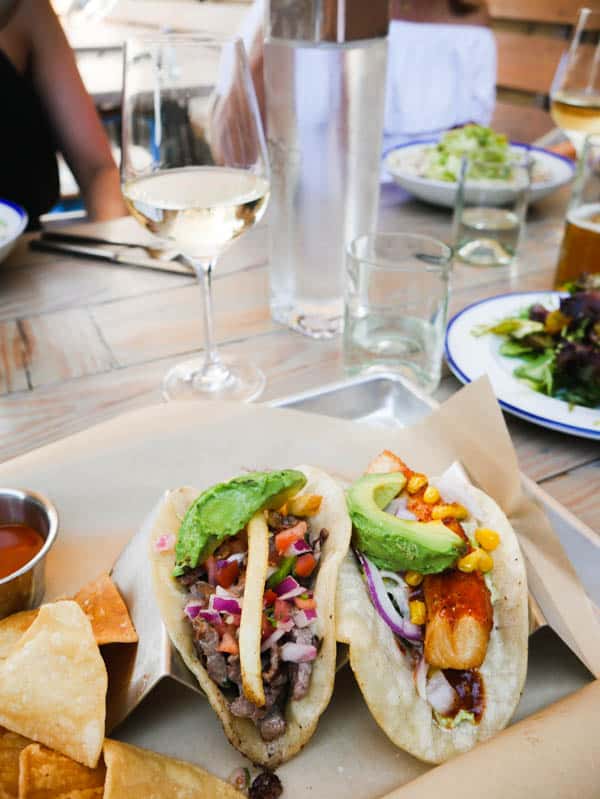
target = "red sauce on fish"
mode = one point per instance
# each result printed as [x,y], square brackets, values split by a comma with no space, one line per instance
[453,594]
[469,691]
[18,545]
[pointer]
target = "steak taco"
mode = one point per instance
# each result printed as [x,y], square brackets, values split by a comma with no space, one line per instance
[432,601]
[245,574]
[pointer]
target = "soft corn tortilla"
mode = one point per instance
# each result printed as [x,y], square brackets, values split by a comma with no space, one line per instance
[133,773]
[301,715]
[53,684]
[385,675]
[44,774]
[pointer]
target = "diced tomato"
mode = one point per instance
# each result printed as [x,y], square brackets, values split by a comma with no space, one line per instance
[269,597]
[305,565]
[286,538]
[282,610]
[228,644]
[267,628]
[228,573]
[305,604]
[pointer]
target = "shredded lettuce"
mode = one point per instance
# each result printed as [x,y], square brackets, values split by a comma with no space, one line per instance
[450,723]
[443,160]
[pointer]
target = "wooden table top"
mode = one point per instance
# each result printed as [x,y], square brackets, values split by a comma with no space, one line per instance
[81,341]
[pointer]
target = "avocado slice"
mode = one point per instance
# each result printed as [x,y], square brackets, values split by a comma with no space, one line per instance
[225,509]
[393,543]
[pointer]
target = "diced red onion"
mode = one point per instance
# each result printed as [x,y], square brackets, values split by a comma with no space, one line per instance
[211,616]
[224,605]
[165,543]
[420,675]
[220,591]
[398,508]
[289,588]
[192,609]
[440,694]
[299,547]
[302,618]
[238,557]
[383,604]
[282,628]
[298,653]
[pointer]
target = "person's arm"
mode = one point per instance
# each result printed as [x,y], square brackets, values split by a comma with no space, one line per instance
[79,132]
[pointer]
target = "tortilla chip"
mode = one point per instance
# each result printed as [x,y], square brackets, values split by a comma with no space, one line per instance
[101,603]
[140,774]
[45,774]
[12,628]
[11,746]
[104,606]
[53,684]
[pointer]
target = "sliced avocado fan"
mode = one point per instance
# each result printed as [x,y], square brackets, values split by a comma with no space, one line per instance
[393,543]
[225,509]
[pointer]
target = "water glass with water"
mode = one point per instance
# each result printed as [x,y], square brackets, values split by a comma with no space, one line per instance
[490,209]
[396,299]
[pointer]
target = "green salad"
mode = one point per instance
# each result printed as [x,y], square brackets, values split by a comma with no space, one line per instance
[442,161]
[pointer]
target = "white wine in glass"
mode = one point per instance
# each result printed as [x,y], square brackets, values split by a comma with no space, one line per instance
[195,173]
[575,92]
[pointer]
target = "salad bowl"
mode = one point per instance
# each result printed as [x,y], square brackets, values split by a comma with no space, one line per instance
[13,221]
[416,168]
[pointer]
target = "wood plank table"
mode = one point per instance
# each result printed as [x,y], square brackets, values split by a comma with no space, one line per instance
[81,341]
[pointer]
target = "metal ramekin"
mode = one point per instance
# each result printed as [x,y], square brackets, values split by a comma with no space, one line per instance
[24,588]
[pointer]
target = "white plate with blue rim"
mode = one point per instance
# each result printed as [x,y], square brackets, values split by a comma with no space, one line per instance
[405,163]
[470,356]
[13,221]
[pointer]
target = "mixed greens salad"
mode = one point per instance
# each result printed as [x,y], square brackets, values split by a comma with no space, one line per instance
[559,349]
[442,160]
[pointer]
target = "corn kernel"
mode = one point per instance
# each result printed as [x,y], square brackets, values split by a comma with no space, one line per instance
[470,562]
[486,538]
[555,321]
[431,495]
[415,483]
[452,510]
[417,611]
[413,578]
[485,562]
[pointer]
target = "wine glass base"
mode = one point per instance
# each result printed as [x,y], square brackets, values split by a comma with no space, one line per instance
[238,380]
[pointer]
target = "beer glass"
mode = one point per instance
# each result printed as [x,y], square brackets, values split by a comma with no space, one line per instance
[580,248]
[575,92]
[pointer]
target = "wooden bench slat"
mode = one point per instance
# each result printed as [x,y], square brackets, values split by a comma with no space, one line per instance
[527,63]
[521,122]
[559,12]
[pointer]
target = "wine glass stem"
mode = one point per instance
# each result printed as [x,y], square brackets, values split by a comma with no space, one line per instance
[213,365]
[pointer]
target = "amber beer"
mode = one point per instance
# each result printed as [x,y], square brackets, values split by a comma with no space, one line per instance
[580,248]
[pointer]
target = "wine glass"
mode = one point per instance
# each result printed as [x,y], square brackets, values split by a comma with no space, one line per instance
[195,173]
[575,92]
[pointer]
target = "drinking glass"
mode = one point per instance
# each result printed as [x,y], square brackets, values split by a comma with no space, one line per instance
[490,209]
[396,300]
[575,91]
[195,173]
[580,248]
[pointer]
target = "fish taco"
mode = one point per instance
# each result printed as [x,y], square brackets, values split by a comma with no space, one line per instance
[245,574]
[432,601]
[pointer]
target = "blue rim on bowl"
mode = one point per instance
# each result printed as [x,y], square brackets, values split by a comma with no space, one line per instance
[22,214]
